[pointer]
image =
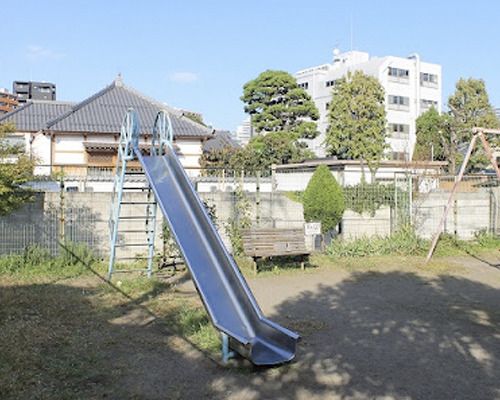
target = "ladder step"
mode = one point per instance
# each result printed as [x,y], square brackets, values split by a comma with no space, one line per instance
[136,188]
[133,245]
[131,258]
[137,203]
[141,217]
[130,270]
[135,231]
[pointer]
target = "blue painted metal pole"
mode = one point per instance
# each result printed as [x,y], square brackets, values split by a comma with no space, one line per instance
[226,352]
[162,135]
[129,137]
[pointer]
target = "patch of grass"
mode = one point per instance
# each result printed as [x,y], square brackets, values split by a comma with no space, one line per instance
[483,241]
[50,343]
[184,317]
[193,323]
[405,242]
[37,261]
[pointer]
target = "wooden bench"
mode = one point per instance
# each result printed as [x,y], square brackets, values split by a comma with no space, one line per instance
[274,242]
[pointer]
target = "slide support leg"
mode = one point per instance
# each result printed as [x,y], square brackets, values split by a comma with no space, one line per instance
[226,353]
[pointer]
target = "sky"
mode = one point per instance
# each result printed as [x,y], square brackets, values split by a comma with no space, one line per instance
[198,55]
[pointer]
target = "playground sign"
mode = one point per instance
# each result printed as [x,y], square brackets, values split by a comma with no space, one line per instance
[312,228]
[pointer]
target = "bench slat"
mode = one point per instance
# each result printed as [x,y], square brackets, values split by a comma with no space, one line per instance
[269,242]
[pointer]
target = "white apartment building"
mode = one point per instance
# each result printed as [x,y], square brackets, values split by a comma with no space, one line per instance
[244,132]
[411,87]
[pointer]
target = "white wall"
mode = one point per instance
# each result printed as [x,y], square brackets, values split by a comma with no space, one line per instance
[69,150]
[41,151]
[351,175]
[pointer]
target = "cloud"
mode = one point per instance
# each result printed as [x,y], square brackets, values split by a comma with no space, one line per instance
[37,53]
[183,77]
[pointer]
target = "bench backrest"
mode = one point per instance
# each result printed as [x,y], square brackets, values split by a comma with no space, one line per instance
[267,242]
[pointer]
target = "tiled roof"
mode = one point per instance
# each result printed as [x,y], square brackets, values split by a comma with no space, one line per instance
[33,116]
[104,111]
[221,139]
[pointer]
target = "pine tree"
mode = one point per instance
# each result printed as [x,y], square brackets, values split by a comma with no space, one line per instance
[277,104]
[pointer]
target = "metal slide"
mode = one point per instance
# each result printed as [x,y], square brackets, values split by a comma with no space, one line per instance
[223,289]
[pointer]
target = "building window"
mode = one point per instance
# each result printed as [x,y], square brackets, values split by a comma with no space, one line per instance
[304,85]
[399,156]
[430,80]
[100,172]
[400,103]
[16,142]
[426,104]
[399,75]
[399,131]
[331,83]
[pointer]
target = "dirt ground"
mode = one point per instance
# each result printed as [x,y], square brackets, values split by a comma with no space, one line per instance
[379,333]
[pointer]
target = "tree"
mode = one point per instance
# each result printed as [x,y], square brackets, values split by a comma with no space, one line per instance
[258,155]
[357,120]
[15,169]
[273,148]
[432,136]
[469,106]
[277,104]
[323,199]
[282,114]
[217,159]
[195,117]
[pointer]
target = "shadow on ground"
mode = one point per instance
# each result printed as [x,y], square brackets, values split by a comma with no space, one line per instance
[63,342]
[375,335]
[388,335]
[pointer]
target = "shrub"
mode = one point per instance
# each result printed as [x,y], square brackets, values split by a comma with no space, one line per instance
[72,254]
[404,242]
[323,199]
[239,220]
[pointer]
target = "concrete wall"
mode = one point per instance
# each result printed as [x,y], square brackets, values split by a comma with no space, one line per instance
[86,217]
[356,225]
[470,213]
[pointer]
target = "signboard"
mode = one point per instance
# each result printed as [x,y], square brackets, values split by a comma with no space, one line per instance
[312,228]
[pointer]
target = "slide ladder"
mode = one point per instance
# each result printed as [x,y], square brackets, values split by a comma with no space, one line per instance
[138,216]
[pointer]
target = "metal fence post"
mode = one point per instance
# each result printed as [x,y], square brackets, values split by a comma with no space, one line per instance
[410,199]
[396,210]
[274,183]
[61,207]
[257,198]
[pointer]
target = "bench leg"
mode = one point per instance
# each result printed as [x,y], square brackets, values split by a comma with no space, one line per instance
[303,262]
[255,269]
